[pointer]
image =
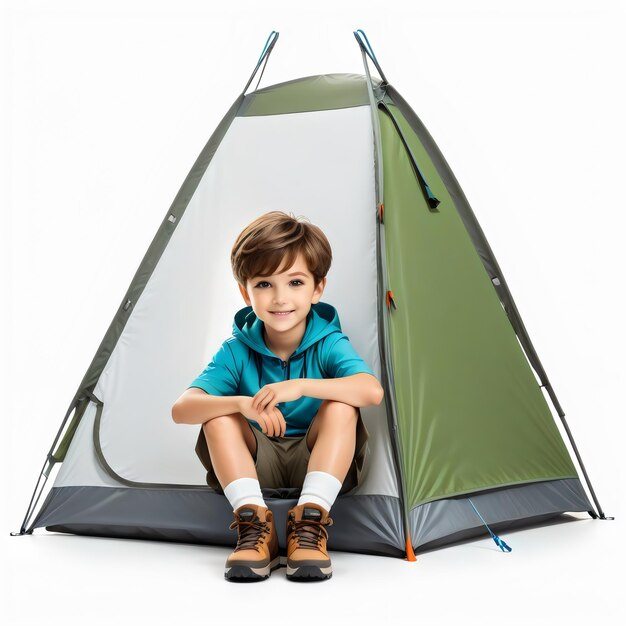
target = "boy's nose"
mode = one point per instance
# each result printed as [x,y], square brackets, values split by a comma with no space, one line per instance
[278,296]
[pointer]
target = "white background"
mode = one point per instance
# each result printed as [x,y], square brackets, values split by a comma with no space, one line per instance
[105,107]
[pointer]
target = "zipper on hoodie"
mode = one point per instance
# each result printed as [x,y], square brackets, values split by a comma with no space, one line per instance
[286,364]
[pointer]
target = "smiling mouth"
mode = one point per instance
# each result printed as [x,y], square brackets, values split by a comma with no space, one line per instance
[281,313]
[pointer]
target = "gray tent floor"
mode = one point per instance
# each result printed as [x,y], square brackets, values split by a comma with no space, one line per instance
[564,568]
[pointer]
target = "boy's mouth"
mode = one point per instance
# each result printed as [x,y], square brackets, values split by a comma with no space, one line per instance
[281,313]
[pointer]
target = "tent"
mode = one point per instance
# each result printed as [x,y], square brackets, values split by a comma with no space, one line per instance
[464,438]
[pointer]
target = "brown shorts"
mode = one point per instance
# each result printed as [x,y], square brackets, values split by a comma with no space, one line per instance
[281,462]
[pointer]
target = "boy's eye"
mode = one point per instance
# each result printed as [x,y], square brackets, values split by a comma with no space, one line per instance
[264,282]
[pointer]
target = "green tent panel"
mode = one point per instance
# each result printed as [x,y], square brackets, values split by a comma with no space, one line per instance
[470,411]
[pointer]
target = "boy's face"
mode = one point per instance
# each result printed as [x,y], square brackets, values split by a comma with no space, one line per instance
[290,290]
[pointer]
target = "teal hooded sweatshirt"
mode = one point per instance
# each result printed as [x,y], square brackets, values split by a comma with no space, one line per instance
[244,364]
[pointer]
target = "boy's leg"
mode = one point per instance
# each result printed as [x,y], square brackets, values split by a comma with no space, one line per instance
[332,441]
[332,438]
[232,447]
[234,460]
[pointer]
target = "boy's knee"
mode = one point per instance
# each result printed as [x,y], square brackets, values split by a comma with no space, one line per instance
[223,423]
[340,410]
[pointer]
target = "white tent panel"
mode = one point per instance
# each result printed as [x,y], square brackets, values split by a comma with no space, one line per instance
[316,164]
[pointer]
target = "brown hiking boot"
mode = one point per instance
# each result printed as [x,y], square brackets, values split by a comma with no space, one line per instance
[256,554]
[307,558]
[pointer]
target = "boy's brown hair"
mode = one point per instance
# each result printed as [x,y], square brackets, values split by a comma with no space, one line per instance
[274,238]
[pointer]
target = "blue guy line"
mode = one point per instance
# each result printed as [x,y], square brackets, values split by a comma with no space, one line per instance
[499,542]
[368,45]
[265,47]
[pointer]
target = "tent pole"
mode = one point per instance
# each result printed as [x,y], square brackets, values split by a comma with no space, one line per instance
[383,309]
[370,53]
[265,55]
[531,354]
[45,471]
[31,506]
[561,414]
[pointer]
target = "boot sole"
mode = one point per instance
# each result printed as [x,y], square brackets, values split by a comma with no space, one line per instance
[309,573]
[248,573]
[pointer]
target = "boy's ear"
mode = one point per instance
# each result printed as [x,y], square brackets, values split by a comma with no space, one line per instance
[319,290]
[244,293]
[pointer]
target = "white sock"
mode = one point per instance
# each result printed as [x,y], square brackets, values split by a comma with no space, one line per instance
[244,491]
[320,488]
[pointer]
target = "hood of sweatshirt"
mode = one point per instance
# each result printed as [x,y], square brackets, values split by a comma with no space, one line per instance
[322,320]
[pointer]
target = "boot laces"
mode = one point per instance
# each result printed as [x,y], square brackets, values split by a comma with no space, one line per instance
[250,533]
[309,533]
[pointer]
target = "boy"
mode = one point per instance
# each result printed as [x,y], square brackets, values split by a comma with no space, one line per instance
[279,402]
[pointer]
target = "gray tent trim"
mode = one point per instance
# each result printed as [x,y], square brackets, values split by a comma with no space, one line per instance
[365,523]
[454,517]
[362,523]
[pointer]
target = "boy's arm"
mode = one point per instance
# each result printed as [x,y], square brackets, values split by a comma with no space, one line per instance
[358,390]
[213,393]
[195,406]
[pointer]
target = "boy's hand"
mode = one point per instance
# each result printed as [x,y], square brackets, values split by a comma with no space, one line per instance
[271,421]
[270,395]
